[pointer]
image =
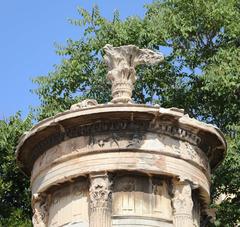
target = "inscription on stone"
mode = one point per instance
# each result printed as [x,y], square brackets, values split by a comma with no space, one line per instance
[113,127]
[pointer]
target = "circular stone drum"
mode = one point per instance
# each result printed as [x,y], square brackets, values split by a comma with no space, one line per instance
[120,165]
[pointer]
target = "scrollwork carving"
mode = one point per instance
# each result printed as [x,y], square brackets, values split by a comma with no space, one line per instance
[84,104]
[182,201]
[40,203]
[100,192]
[182,204]
[121,62]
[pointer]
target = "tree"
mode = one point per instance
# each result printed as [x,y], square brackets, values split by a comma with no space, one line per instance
[15,207]
[226,181]
[200,73]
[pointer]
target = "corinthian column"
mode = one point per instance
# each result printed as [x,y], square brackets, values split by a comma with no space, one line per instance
[100,200]
[40,203]
[182,204]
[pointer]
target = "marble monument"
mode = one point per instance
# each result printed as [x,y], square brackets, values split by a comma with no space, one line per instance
[121,164]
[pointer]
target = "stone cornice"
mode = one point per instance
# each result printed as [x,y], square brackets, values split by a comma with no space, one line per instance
[170,122]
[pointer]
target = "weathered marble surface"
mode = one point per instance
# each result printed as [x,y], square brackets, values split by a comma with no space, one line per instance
[121,62]
[120,164]
[98,142]
[69,205]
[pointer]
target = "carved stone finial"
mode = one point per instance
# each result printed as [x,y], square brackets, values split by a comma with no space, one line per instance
[121,62]
[84,104]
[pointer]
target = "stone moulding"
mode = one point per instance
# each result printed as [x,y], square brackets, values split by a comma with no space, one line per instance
[120,164]
[99,127]
[97,141]
[114,127]
[117,161]
[208,138]
[154,143]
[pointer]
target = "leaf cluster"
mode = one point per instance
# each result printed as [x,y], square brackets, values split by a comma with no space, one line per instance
[200,74]
[14,186]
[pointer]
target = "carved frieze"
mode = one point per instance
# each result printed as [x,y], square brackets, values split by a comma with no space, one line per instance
[113,135]
[113,127]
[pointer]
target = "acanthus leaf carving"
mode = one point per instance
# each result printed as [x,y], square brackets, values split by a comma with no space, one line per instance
[121,62]
[182,203]
[40,205]
[100,192]
[182,200]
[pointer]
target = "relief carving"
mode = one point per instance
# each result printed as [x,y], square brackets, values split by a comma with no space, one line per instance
[100,192]
[194,153]
[124,134]
[121,62]
[191,151]
[84,104]
[182,200]
[135,140]
[176,149]
[40,203]
[113,127]
[112,139]
[182,204]
[91,140]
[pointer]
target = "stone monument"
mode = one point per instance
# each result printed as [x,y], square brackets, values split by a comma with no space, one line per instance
[120,164]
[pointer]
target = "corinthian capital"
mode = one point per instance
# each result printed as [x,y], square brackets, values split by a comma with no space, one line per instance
[182,204]
[40,204]
[121,62]
[100,191]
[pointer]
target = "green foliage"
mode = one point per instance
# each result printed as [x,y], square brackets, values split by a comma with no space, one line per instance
[200,74]
[226,181]
[86,71]
[17,218]
[14,186]
[221,87]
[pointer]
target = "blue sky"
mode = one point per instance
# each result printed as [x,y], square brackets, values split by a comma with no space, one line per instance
[28,31]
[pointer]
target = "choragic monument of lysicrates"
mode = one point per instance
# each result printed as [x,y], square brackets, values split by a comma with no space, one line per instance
[121,164]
